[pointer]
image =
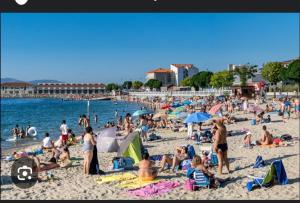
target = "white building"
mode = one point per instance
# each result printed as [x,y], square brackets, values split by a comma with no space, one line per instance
[181,71]
[174,75]
[16,89]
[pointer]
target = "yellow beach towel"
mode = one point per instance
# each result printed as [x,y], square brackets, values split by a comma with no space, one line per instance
[116,177]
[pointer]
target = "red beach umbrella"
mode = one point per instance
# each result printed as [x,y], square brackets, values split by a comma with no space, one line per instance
[166,106]
[215,108]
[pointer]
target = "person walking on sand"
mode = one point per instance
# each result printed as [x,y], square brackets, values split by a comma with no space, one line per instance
[88,148]
[64,132]
[221,147]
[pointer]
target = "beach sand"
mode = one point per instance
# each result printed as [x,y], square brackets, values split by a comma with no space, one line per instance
[72,184]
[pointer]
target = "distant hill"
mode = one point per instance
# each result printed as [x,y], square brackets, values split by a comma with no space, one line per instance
[44,81]
[3,80]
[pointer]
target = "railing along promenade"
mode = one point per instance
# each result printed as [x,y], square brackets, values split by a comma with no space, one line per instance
[180,93]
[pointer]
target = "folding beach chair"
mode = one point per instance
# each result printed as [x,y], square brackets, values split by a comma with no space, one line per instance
[201,181]
[276,172]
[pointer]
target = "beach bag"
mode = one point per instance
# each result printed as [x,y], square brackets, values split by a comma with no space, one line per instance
[191,151]
[189,184]
[121,163]
[128,163]
[186,164]
[213,159]
[253,122]
[286,137]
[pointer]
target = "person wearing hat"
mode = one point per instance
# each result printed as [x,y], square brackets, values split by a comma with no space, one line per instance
[247,139]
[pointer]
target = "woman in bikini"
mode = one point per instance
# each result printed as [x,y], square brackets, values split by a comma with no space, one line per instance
[220,146]
[147,171]
[174,160]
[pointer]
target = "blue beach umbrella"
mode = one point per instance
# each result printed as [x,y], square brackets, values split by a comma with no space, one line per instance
[197,117]
[186,102]
[176,104]
[182,115]
[141,112]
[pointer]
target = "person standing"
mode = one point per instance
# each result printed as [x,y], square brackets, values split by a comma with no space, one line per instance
[88,148]
[96,118]
[64,132]
[26,133]
[16,131]
[221,147]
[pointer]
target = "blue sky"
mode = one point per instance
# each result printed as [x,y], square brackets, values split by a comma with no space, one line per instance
[117,47]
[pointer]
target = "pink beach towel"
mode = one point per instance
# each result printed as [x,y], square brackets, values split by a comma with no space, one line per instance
[154,189]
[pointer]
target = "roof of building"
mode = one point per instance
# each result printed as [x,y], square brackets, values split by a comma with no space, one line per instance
[16,84]
[91,85]
[160,70]
[183,65]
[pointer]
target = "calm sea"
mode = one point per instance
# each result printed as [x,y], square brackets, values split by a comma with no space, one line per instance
[46,115]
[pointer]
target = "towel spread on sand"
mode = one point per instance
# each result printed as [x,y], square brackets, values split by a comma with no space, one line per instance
[135,183]
[154,189]
[116,177]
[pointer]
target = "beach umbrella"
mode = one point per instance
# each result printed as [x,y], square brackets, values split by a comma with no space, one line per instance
[182,115]
[176,104]
[197,117]
[179,109]
[166,106]
[186,102]
[254,108]
[215,108]
[141,112]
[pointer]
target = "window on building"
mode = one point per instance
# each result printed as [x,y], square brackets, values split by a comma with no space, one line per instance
[56,91]
[73,91]
[40,91]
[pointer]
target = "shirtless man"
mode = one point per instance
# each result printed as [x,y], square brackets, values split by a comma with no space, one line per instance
[266,137]
[220,146]
[147,171]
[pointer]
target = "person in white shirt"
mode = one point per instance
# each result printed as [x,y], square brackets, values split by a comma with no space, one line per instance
[47,142]
[64,132]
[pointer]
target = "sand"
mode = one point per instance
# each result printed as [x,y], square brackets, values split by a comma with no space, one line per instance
[72,184]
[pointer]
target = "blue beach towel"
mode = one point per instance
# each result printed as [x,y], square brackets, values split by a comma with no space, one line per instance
[280,172]
[191,151]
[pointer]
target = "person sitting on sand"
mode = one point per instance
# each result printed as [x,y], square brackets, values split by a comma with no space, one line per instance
[266,137]
[269,108]
[220,146]
[247,139]
[147,171]
[176,159]
[47,142]
[259,117]
[61,154]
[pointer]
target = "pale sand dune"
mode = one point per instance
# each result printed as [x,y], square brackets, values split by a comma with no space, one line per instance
[73,185]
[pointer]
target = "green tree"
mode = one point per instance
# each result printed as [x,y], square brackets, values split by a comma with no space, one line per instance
[293,72]
[137,84]
[153,83]
[201,79]
[273,72]
[245,72]
[186,82]
[112,86]
[222,79]
[127,85]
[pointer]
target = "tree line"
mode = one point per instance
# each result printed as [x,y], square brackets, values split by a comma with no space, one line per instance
[273,72]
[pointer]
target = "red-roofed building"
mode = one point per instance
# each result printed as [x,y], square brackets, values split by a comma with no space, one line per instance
[162,74]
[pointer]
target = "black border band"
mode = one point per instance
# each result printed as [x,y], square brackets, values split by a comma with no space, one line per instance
[151,6]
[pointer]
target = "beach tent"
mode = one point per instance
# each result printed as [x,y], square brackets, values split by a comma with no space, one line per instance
[131,147]
[107,140]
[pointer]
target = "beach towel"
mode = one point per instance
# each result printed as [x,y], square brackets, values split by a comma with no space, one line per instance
[115,177]
[154,189]
[135,183]
[280,172]
[259,162]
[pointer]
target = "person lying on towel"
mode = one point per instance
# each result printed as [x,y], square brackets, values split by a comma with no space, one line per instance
[266,137]
[147,171]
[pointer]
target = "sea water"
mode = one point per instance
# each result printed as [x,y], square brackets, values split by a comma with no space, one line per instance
[47,114]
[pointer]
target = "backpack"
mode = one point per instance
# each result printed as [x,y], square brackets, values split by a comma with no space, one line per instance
[191,151]
[123,163]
